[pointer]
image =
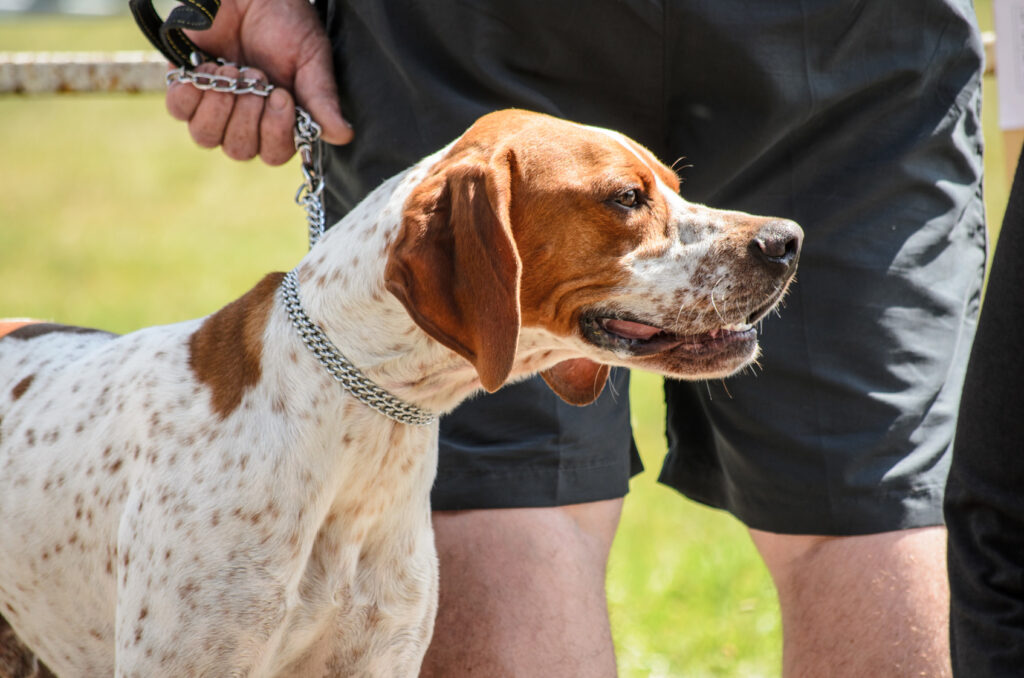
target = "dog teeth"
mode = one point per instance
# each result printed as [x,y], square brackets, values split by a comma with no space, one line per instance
[729,329]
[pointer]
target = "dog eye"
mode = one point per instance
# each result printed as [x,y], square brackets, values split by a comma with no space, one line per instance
[630,198]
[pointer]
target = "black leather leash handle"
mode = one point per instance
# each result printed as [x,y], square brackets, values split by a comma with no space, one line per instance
[168,35]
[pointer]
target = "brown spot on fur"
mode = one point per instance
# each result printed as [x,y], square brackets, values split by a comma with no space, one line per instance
[31,330]
[396,436]
[22,386]
[225,352]
[369,233]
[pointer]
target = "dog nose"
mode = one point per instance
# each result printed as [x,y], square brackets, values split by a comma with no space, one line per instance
[777,244]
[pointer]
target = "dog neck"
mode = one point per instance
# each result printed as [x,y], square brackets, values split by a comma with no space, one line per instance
[342,289]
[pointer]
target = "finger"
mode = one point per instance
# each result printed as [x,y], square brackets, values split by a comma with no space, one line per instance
[242,136]
[317,93]
[181,100]
[277,143]
[210,119]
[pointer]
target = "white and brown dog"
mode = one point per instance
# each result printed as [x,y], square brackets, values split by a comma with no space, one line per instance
[205,499]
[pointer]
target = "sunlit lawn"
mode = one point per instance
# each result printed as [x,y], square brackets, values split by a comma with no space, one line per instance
[110,217]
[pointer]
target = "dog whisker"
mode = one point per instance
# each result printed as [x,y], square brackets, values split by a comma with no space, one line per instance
[713,304]
[725,387]
[610,384]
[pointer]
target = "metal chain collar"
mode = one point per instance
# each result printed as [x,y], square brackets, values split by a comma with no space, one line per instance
[354,381]
[310,197]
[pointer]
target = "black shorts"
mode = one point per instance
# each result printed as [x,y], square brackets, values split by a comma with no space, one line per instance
[858,121]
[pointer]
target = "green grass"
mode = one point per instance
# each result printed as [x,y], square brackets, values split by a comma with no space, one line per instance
[114,218]
[687,592]
[111,217]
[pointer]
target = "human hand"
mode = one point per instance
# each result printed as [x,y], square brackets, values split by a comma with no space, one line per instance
[281,41]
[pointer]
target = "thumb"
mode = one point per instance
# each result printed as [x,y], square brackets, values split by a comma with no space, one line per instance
[316,91]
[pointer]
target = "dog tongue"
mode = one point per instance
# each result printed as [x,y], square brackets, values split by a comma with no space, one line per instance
[629,329]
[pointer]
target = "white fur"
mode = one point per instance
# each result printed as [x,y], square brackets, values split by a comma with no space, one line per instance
[143,534]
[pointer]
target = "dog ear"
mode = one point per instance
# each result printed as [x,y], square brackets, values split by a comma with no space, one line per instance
[455,267]
[577,381]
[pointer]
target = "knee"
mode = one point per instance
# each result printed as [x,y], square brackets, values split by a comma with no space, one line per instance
[860,606]
[576,531]
[799,562]
[514,578]
[785,553]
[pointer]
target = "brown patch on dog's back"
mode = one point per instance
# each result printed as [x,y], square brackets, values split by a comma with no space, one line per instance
[8,326]
[30,329]
[225,352]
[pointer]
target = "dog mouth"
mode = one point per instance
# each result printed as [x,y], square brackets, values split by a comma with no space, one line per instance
[622,334]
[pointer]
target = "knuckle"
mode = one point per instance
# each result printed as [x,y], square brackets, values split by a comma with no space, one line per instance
[238,152]
[276,154]
[205,142]
[227,71]
[205,136]
[178,109]
[181,103]
[253,73]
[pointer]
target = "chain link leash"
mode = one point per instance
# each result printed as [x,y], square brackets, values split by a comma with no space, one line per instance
[310,198]
[307,134]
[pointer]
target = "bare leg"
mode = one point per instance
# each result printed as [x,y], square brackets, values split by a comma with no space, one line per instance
[873,605]
[522,592]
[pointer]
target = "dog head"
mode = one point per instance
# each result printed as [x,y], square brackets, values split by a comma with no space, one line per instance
[532,221]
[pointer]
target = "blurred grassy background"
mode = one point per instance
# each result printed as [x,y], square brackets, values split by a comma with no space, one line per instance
[111,217]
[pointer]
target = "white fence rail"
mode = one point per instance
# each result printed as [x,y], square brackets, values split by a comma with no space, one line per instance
[60,72]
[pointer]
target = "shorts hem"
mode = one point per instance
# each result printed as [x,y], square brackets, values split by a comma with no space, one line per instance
[530,488]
